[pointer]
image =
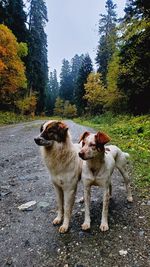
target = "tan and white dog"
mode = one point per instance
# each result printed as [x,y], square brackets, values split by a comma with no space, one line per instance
[97,169]
[62,160]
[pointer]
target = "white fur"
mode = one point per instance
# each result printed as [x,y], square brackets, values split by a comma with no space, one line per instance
[64,165]
[97,170]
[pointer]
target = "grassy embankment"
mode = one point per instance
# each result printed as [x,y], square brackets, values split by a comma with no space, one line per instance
[132,134]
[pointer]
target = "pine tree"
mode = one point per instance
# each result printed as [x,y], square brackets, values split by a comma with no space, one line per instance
[85,70]
[37,66]
[107,38]
[134,79]
[52,92]
[76,62]
[66,83]
[13,15]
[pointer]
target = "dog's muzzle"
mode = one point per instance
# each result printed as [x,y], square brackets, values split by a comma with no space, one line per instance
[81,155]
[40,141]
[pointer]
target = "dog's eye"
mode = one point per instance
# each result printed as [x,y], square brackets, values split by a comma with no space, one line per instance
[92,145]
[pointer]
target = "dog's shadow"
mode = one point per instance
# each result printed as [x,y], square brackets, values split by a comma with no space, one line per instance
[118,214]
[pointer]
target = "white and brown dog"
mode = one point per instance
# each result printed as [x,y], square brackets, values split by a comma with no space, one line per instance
[62,160]
[97,169]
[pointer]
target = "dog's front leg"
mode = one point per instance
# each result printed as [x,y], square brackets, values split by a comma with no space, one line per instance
[87,220]
[59,198]
[69,197]
[104,220]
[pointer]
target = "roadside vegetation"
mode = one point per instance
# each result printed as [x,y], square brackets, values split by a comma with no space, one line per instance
[132,134]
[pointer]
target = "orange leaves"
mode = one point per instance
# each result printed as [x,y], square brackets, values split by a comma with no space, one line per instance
[12,69]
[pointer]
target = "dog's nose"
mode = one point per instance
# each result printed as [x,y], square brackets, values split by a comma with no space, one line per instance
[81,154]
[37,140]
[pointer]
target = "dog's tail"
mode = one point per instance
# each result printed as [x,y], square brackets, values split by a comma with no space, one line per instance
[126,155]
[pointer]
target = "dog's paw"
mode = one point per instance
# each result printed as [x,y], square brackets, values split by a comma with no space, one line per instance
[85,226]
[130,199]
[63,229]
[57,221]
[104,227]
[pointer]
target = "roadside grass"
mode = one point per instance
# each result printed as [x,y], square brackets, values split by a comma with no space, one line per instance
[11,118]
[132,134]
[7,118]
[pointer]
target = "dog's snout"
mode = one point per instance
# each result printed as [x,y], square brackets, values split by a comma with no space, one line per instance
[81,154]
[37,140]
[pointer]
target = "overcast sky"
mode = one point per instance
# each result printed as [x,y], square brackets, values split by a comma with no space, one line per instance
[73,28]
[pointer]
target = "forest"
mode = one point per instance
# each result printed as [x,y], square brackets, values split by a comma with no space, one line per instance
[119,85]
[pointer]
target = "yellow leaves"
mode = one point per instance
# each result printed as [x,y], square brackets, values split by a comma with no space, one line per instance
[12,69]
[95,90]
[27,105]
[64,109]
[22,49]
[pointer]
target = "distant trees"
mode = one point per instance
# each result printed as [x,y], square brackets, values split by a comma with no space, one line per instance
[64,108]
[73,76]
[52,92]
[107,38]
[66,82]
[85,69]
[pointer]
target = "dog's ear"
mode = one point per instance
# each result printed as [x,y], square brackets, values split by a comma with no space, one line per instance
[83,136]
[63,127]
[102,138]
[41,128]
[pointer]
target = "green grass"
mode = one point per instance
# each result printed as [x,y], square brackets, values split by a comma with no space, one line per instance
[10,118]
[132,134]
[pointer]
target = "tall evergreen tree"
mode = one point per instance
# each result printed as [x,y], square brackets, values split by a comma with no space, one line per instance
[134,79]
[76,62]
[37,66]
[52,92]
[66,83]
[107,38]
[13,15]
[85,70]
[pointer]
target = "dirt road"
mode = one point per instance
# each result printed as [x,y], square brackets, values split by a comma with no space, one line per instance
[28,238]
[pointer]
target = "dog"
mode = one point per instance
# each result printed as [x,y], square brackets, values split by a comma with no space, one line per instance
[61,158]
[98,166]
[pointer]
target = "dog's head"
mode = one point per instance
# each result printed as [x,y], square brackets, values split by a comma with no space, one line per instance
[51,131]
[92,144]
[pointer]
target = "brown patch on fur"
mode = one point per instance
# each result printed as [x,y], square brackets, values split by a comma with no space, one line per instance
[55,130]
[85,134]
[101,138]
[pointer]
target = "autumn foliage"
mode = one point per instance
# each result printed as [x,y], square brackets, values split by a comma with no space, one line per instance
[12,70]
